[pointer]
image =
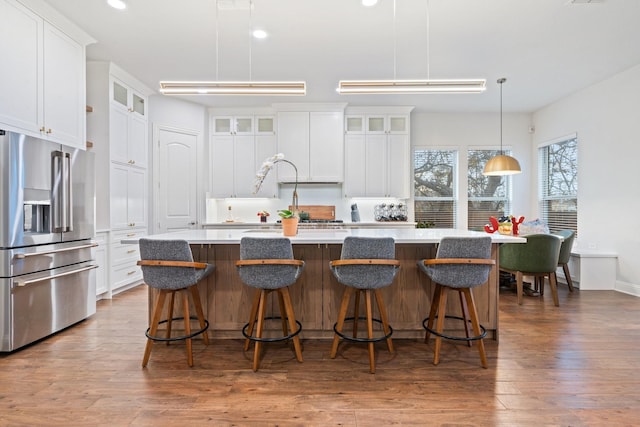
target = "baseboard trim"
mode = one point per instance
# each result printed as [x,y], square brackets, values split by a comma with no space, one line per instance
[628,288]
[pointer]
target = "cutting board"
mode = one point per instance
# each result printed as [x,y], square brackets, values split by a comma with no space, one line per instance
[318,211]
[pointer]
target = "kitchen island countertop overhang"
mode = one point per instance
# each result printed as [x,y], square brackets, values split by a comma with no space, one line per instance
[317,295]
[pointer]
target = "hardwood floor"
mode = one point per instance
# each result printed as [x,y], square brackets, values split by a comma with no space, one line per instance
[573,365]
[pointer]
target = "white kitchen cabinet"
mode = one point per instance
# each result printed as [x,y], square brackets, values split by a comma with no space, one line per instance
[128,197]
[102,272]
[128,125]
[314,142]
[124,271]
[46,77]
[235,156]
[377,154]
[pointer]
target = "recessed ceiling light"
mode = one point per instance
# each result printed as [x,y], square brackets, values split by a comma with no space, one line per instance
[117,4]
[369,2]
[260,34]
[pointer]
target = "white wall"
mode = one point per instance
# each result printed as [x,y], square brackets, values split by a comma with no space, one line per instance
[605,117]
[479,130]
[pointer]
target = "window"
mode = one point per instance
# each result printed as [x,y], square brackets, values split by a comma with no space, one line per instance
[558,164]
[488,195]
[435,186]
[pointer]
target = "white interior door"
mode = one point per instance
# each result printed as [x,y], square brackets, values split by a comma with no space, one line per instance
[177,180]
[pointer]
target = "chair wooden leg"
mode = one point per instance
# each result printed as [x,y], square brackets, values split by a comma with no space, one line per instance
[187,327]
[195,294]
[170,314]
[476,324]
[434,309]
[283,313]
[442,304]
[372,362]
[261,310]
[340,324]
[384,318]
[519,286]
[540,280]
[465,315]
[356,312]
[553,283]
[252,317]
[155,319]
[567,275]
[286,297]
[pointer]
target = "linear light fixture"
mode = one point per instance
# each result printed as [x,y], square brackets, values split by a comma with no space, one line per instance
[232,88]
[363,87]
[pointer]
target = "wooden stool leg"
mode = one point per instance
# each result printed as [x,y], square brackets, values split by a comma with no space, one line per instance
[356,312]
[442,304]
[343,313]
[170,314]
[465,315]
[155,319]
[476,324]
[195,294]
[383,317]
[553,283]
[292,320]
[261,310]
[187,327]
[372,363]
[252,317]
[433,311]
[283,313]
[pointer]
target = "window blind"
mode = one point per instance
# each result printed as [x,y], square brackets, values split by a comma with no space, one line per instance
[435,184]
[487,195]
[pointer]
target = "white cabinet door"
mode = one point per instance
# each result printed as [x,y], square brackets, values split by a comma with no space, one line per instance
[326,147]
[119,135]
[64,93]
[137,140]
[398,166]
[128,197]
[21,50]
[354,166]
[376,166]
[102,272]
[293,142]
[244,166]
[266,146]
[222,164]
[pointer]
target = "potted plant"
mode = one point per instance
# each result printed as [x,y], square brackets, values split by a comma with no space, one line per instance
[263,216]
[289,222]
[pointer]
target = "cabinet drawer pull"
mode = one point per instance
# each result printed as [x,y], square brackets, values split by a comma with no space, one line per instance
[131,273]
[131,234]
[131,251]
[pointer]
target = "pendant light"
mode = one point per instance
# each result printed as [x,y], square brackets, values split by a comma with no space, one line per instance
[412,86]
[249,87]
[502,164]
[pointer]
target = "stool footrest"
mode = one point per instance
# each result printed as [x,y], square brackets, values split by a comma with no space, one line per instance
[356,339]
[273,339]
[453,337]
[180,338]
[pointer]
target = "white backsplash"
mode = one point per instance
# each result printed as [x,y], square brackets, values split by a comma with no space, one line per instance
[246,210]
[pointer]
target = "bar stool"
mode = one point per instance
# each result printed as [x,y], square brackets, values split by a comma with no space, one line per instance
[167,265]
[267,264]
[366,265]
[461,263]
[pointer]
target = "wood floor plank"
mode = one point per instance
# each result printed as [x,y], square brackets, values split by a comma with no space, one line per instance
[573,365]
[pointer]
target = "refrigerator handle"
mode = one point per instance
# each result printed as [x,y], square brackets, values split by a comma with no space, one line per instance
[56,191]
[67,209]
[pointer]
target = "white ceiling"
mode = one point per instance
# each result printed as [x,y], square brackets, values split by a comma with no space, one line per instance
[546,49]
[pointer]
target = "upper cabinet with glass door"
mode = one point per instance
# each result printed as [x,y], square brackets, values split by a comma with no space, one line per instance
[127,98]
[387,124]
[230,125]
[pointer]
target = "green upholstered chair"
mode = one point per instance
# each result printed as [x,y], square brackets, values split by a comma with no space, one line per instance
[565,254]
[538,258]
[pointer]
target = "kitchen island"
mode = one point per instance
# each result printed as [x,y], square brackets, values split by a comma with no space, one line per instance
[316,296]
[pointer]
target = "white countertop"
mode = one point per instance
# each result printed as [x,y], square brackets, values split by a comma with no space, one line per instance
[325,236]
[272,224]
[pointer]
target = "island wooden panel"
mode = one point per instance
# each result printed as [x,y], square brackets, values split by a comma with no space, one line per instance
[316,296]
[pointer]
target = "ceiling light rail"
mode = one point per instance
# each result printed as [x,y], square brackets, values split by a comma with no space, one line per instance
[232,88]
[363,87]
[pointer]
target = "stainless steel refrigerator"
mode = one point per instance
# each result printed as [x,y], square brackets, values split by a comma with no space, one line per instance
[47,256]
